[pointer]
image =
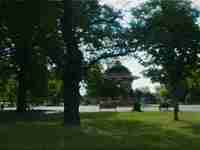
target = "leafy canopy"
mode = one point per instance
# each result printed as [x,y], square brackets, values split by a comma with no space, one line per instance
[168,33]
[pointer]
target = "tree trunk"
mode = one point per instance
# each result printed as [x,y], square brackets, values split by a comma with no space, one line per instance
[24,60]
[21,95]
[72,77]
[71,103]
[176,111]
[72,70]
[178,94]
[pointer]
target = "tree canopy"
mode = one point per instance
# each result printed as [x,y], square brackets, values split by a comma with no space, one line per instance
[168,33]
[25,27]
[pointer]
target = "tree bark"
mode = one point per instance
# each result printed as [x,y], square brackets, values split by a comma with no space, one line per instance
[71,103]
[24,59]
[176,111]
[21,95]
[72,70]
[72,78]
[177,96]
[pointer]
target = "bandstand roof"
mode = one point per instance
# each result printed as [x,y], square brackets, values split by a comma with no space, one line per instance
[119,71]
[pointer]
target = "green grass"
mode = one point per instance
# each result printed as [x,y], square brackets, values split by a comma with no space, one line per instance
[102,131]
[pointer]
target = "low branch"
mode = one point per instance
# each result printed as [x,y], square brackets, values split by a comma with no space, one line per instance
[108,55]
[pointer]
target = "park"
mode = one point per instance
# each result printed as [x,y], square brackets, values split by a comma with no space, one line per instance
[69,75]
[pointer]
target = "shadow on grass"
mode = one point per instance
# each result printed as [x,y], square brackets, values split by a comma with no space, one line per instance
[8,117]
[34,130]
[100,131]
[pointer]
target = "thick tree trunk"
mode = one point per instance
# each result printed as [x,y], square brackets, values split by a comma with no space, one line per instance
[177,96]
[72,78]
[71,103]
[72,70]
[24,60]
[21,95]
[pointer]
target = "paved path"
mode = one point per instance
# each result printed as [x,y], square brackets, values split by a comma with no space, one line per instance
[94,108]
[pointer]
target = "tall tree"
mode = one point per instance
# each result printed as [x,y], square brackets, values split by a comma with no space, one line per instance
[26,22]
[168,32]
[92,32]
[72,70]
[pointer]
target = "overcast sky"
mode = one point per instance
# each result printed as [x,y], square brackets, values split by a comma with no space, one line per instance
[129,3]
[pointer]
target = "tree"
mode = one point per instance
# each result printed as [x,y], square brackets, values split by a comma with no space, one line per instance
[8,91]
[164,93]
[72,70]
[94,80]
[91,35]
[193,86]
[25,25]
[55,88]
[168,33]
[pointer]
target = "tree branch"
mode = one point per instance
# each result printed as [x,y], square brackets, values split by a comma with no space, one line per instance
[108,55]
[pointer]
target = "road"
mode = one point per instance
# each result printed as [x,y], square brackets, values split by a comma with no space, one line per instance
[94,108]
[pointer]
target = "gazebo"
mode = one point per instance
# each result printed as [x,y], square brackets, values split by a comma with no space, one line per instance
[123,77]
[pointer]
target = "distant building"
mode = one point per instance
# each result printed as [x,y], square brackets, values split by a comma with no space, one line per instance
[123,77]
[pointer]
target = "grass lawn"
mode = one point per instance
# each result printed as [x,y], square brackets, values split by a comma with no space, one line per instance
[102,131]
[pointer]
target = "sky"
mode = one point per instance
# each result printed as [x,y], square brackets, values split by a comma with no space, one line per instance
[132,64]
[129,3]
[136,70]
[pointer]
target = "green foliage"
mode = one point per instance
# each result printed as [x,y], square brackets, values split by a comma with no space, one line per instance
[193,86]
[194,79]
[8,91]
[164,93]
[94,80]
[55,91]
[99,32]
[27,28]
[168,34]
